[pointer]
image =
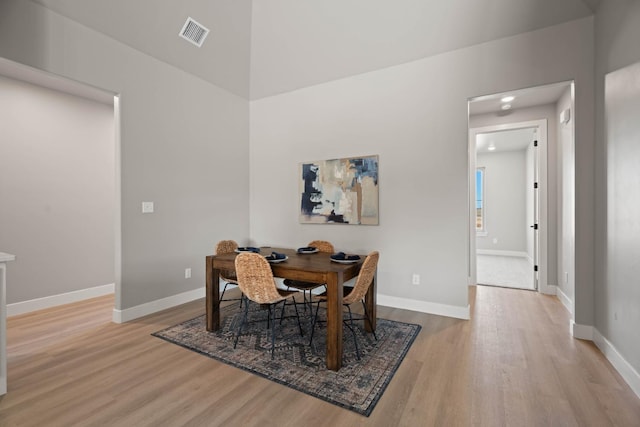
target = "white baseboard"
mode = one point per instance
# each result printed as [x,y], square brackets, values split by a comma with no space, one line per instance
[583,332]
[425,307]
[60,299]
[121,316]
[518,254]
[565,300]
[626,371]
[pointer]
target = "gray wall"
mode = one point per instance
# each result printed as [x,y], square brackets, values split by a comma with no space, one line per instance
[617,292]
[57,190]
[505,200]
[184,145]
[182,138]
[565,199]
[414,116]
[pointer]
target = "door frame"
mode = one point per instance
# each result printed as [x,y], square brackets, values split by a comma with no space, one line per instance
[541,173]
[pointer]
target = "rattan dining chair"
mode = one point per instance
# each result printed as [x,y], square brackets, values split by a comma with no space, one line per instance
[257,284]
[322,246]
[228,277]
[353,295]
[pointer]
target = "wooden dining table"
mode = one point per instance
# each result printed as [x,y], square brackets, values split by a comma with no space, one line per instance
[318,268]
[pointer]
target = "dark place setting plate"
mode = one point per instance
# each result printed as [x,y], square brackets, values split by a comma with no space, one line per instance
[276,257]
[308,250]
[248,249]
[343,258]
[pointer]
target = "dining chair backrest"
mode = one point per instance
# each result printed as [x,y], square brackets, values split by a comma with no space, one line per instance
[365,277]
[226,247]
[255,278]
[323,246]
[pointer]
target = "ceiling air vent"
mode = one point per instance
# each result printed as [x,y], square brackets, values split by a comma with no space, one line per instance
[194,32]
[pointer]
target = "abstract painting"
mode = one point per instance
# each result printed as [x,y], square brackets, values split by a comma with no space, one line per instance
[343,191]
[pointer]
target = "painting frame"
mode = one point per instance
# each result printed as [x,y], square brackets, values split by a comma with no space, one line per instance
[339,191]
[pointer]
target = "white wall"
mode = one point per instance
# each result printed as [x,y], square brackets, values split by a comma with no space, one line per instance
[184,145]
[414,116]
[57,190]
[505,201]
[617,302]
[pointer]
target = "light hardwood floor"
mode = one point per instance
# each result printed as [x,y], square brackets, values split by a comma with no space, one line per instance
[513,364]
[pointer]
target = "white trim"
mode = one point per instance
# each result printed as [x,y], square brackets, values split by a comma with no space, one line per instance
[4,257]
[564,299]
[117,223]
[3,321]
[583,332]
[59,299]
[425,307]
[624,368]
[517,254]
[121,316]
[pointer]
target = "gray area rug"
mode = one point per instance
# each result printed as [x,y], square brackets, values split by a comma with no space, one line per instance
[357,386]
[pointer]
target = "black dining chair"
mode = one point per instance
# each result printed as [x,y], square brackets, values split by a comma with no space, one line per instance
[324,247]
[257,284]
[353,295]
[228,277]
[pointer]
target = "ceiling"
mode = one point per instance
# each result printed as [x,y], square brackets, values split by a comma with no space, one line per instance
[261,48]
[507,140]
[523,98]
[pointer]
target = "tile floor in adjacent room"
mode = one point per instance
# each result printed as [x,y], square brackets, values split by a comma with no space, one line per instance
[505,271]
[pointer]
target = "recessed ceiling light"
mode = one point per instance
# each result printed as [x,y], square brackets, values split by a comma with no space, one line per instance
[508,98]
[491,147]
[506,107]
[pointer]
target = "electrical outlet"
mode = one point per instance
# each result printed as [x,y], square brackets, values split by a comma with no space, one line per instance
[415,279]
[147,207]
[187,273]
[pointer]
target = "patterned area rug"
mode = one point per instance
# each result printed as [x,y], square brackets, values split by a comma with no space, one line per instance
[357,386]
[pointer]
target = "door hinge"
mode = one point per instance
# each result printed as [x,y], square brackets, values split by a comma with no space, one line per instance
[535,268]
[535,143]
[535,185]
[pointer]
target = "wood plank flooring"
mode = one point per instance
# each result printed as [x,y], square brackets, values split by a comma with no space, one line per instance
[513,364]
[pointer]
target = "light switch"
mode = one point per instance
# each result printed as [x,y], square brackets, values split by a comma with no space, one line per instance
[147,207]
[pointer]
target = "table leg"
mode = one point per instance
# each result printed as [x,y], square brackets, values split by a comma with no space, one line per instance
[334,321]
[370,303]
[212,296]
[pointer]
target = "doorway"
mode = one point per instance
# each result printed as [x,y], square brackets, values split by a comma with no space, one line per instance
[545,192]
[63,159]
[506,204]
[509,184]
